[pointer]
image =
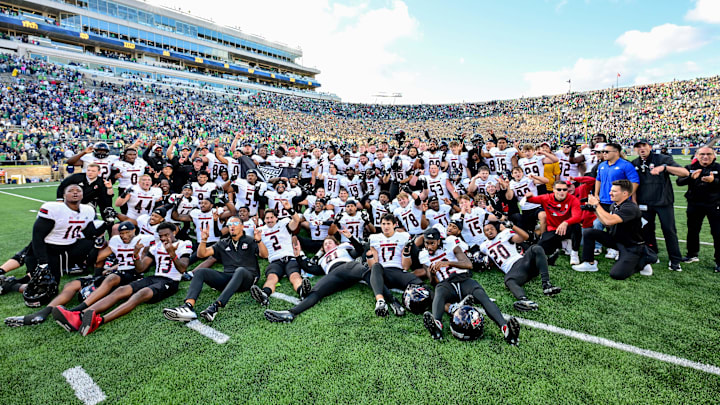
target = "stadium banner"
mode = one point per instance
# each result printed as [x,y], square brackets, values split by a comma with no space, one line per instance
[266,173]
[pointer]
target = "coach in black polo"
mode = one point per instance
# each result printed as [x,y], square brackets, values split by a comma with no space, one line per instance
[239,256]
[655,196]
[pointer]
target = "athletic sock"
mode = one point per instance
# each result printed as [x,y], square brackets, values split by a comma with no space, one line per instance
[267,291]
[297,290]
[81,306]
[43,314]
[189,305]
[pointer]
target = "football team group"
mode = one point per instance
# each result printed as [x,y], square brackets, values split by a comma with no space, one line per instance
[414,214]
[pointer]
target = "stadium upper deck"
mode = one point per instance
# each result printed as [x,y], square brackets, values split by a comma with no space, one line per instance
[152,36]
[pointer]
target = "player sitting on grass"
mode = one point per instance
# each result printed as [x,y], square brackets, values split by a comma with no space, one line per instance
[337,260]
[446,264]
[122,246]
[238,254]
[501,247]
[277,246]
[171,258]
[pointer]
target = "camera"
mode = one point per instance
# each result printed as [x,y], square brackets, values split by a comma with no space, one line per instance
[587,207]
[400,136]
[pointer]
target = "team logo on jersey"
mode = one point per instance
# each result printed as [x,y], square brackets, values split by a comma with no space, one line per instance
[244,246]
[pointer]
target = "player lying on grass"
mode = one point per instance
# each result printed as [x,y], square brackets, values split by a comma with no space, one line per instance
[171,258]
[502,248]
[238,254]
[447,265]
[337,260]
[276,245]
[123,247]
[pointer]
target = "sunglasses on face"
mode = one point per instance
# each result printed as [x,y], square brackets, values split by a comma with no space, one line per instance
[607,151]
[561,189]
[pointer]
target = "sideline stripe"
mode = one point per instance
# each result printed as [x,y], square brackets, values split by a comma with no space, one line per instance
[597,340]
[684,241]
[85,388]
[285,297]
[22,196]
[621,346]
[20,187]
[207,331]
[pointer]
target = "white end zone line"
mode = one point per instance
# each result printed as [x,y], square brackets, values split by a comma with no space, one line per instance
[85,388]
[208,332]
[586,338]
[20,188]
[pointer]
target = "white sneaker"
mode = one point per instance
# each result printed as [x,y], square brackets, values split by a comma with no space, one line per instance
[567,246]
[647,270]
[597,252]
[183,313]
[574,259]
[612,254]
[585,266]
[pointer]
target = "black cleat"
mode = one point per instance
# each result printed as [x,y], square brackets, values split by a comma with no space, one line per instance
[381,308]
[259,295]
[18,321]
[279,316]
[525,304]
[511,330]
[549,289]
[210,312]
[187,276]
[432,325]
[305,288]
[553,257]
[6,284]
[397,308]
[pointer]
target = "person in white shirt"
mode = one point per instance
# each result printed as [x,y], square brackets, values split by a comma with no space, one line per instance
[98,154]
[202,188]
[534,161]
[438,213]
[502,247]
[352,183]
[275,242]
[519,186]
[409,214]
[129,169]
[480,181]
[569,161]
[318,221]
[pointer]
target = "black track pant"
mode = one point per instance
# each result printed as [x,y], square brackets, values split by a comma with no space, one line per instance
[666,214]
[528,219]
[62,258]
[632,258]
[550,241]
[534,261]
[696,214]
[394,277]
[229,283]
[455,289]
[344,276]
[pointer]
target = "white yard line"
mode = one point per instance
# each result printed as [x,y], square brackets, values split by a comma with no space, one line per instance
[208,332]
[593,339]
[684,241]
[21,187]
[85,388]
[22,196]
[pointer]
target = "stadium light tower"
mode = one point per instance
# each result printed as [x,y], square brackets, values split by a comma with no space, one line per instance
[383,94]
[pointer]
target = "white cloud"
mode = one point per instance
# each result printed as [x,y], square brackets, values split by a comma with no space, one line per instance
[640,51]
[462,60]
[660,41]
[706,11]
[352,44]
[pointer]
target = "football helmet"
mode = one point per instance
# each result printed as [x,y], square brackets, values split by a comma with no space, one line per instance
[467,323]
[41,288]
[101,150]
[417,298]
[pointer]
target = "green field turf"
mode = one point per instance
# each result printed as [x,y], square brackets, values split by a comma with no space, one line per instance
[340,352]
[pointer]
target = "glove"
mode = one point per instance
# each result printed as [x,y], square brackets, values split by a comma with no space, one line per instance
[126,192]
[508,224]
[100,242]
[365,216]
[40,269]
[109,214]
[233,177]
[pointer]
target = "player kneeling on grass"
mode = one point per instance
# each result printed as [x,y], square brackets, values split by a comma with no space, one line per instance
[238,254]
[447,265]
[123,247]
[171,258]
[502,248]
[338,262]
[277,246]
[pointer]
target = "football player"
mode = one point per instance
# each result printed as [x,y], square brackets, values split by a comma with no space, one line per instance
[202,188]
[276,245]
[141,198]
[98,154]
[447,265]
[409,215]
[171,258]
[502,248]
[317,221]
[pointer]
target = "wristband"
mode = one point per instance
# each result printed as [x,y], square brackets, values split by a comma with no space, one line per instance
[291,211]
[258,241]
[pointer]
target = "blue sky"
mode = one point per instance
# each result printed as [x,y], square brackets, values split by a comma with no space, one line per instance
[454,51]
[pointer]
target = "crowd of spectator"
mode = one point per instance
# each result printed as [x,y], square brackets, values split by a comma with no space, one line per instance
[48,111]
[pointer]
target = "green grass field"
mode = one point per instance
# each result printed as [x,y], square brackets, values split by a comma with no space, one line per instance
[340,352]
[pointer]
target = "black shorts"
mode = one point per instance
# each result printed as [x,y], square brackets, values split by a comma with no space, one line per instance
[20,256]
[162,287]
[126,277]
[283,267]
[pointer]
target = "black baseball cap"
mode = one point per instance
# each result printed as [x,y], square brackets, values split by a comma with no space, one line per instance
[160,211]
[433,198]
[198,159]
[458,223]
[126,226]
[641,141]
[432,234]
